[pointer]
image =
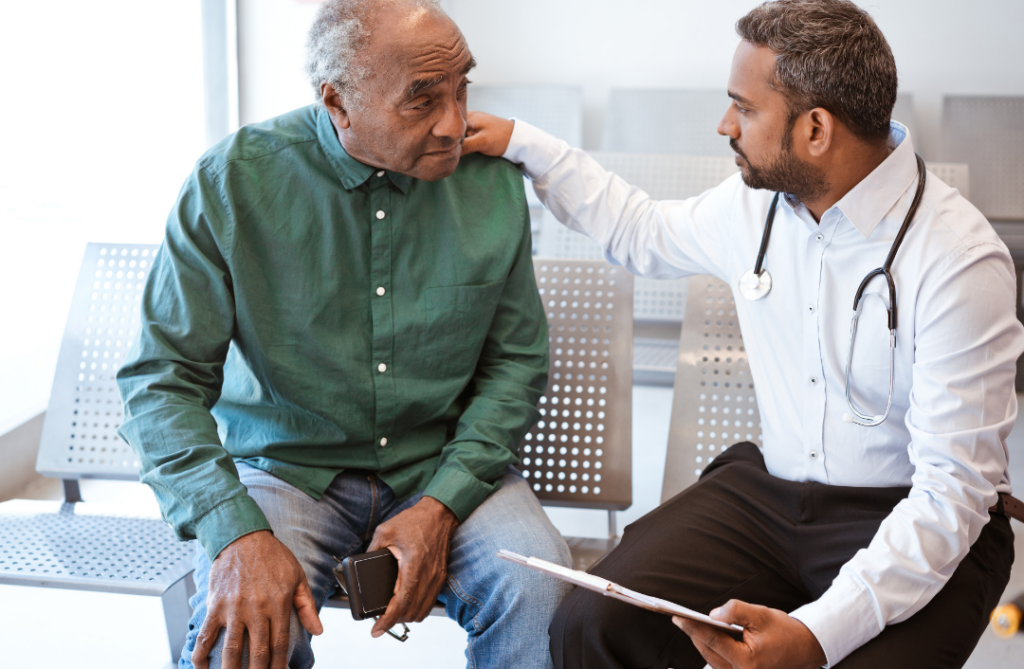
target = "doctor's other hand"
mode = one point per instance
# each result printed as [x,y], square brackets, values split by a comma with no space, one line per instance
[771,639]
[254,584]
[487,134]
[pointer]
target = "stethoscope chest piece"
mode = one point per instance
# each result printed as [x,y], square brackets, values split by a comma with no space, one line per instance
[755,286]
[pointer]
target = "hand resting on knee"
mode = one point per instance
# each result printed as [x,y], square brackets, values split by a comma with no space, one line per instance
[254,584]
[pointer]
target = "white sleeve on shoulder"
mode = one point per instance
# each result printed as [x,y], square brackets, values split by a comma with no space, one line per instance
[659,240]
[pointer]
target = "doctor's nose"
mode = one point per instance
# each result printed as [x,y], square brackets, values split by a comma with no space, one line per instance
[728,127]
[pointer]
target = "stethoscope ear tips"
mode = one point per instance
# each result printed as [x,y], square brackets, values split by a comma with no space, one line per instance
[847,417]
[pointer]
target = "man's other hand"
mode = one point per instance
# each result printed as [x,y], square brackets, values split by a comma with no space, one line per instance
[419,537]
[487,134]
[254,583]
[771,639]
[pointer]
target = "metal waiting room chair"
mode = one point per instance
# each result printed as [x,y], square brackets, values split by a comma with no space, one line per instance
[78,545]
[713,404]
[987,133]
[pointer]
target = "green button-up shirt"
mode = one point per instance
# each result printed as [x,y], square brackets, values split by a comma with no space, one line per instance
[308,314]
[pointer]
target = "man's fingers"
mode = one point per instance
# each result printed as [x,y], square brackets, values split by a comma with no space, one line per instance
[473,143]
[305,607]
[280,641]
[715,660]
[715,640]
[259,644]
[205,640]
[231,651]
[740,613]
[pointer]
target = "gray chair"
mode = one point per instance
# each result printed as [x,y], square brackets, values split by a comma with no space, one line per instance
[905,113]
[78,545]
[987,133]
[713,405]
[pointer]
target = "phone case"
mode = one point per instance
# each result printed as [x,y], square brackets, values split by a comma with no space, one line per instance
[370,581]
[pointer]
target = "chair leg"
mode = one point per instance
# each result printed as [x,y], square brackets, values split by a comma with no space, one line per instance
[177,613]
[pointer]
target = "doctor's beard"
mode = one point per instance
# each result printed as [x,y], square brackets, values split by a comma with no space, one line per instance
[784,173]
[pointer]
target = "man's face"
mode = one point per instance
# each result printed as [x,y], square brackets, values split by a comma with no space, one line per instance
[760,125]
[411,113]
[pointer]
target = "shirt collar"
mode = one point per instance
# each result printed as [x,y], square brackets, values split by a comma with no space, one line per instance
[868,202]
[351,172]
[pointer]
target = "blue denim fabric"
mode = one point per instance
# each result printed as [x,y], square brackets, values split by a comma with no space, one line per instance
[505,609]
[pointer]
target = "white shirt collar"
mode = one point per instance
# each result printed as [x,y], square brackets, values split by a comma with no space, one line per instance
[868,202]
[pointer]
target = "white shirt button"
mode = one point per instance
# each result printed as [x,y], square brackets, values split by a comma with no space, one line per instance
[381,291]
[810,308]
[383,441]
[381,173]
[814,455]
[819,237]
[380,214]
[814,380]
[382,367]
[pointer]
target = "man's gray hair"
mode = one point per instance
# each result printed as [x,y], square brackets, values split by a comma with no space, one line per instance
[340,29]
[828,54]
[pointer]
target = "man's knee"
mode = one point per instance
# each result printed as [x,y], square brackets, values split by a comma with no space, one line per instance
[300,652]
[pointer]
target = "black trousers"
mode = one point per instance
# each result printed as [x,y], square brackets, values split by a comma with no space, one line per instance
[740,533]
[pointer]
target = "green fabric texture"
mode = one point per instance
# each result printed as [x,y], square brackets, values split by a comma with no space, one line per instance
[263,329]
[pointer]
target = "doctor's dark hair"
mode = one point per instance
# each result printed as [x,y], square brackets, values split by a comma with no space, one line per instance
[828,54]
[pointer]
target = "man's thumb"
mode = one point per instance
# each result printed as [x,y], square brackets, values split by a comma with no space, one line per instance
[305,607]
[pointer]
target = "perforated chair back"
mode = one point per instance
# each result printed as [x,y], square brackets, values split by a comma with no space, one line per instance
[579,454]
[80,429]
[675,121]
[957,175]
[987,133]
[557,110]
[713,405]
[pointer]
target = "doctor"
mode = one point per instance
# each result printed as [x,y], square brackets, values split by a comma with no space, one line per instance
[867,542]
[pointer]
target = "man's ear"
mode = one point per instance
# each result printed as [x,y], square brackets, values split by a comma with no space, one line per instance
[818,131]
[335,106]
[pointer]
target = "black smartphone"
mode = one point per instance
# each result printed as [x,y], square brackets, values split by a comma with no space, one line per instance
[369,579]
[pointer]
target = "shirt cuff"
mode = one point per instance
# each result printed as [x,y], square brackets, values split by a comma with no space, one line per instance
[459,491]
[842,620]
[533,148]
[226,522]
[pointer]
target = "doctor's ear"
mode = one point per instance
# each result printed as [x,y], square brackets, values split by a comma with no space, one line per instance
[817,129]
[335,106]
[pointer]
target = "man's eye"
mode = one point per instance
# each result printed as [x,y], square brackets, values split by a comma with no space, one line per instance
[423,105]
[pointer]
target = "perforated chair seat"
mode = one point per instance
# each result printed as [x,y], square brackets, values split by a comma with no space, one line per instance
[89,547]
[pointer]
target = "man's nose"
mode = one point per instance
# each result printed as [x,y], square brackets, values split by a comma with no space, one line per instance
[452,123]
[728,126]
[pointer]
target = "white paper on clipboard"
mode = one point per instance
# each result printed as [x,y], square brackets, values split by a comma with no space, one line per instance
[609,589]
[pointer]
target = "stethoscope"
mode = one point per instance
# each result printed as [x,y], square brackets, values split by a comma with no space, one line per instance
[757,282]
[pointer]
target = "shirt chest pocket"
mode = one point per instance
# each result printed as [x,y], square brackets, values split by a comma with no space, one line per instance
[457,320]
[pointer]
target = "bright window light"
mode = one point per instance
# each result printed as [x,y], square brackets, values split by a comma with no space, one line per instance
[102,119]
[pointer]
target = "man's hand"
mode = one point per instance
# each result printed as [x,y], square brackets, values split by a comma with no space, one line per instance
[419,537]
[771,639]
[487,134]
[254,583]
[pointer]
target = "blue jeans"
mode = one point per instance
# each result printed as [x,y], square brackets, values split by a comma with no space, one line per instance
[505,609]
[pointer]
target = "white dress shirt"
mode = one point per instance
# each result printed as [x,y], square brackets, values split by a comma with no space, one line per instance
[958,340]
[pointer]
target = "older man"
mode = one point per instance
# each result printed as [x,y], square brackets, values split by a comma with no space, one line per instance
[342,345]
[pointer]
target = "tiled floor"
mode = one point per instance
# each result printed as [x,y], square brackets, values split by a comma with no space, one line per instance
[45,629]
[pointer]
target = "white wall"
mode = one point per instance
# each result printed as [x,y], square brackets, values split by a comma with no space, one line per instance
[941,46]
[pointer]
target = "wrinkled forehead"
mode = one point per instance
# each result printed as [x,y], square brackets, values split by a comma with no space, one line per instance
[416,44]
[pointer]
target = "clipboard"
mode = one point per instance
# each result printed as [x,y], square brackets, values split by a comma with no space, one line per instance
[609,589]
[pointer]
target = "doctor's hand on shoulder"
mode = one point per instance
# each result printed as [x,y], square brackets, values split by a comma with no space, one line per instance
[487,134]
[771,639]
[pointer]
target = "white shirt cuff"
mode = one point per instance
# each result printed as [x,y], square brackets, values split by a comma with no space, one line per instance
[842,620]
[533,148]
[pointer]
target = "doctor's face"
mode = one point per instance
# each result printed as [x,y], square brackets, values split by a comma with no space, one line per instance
[759,124]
